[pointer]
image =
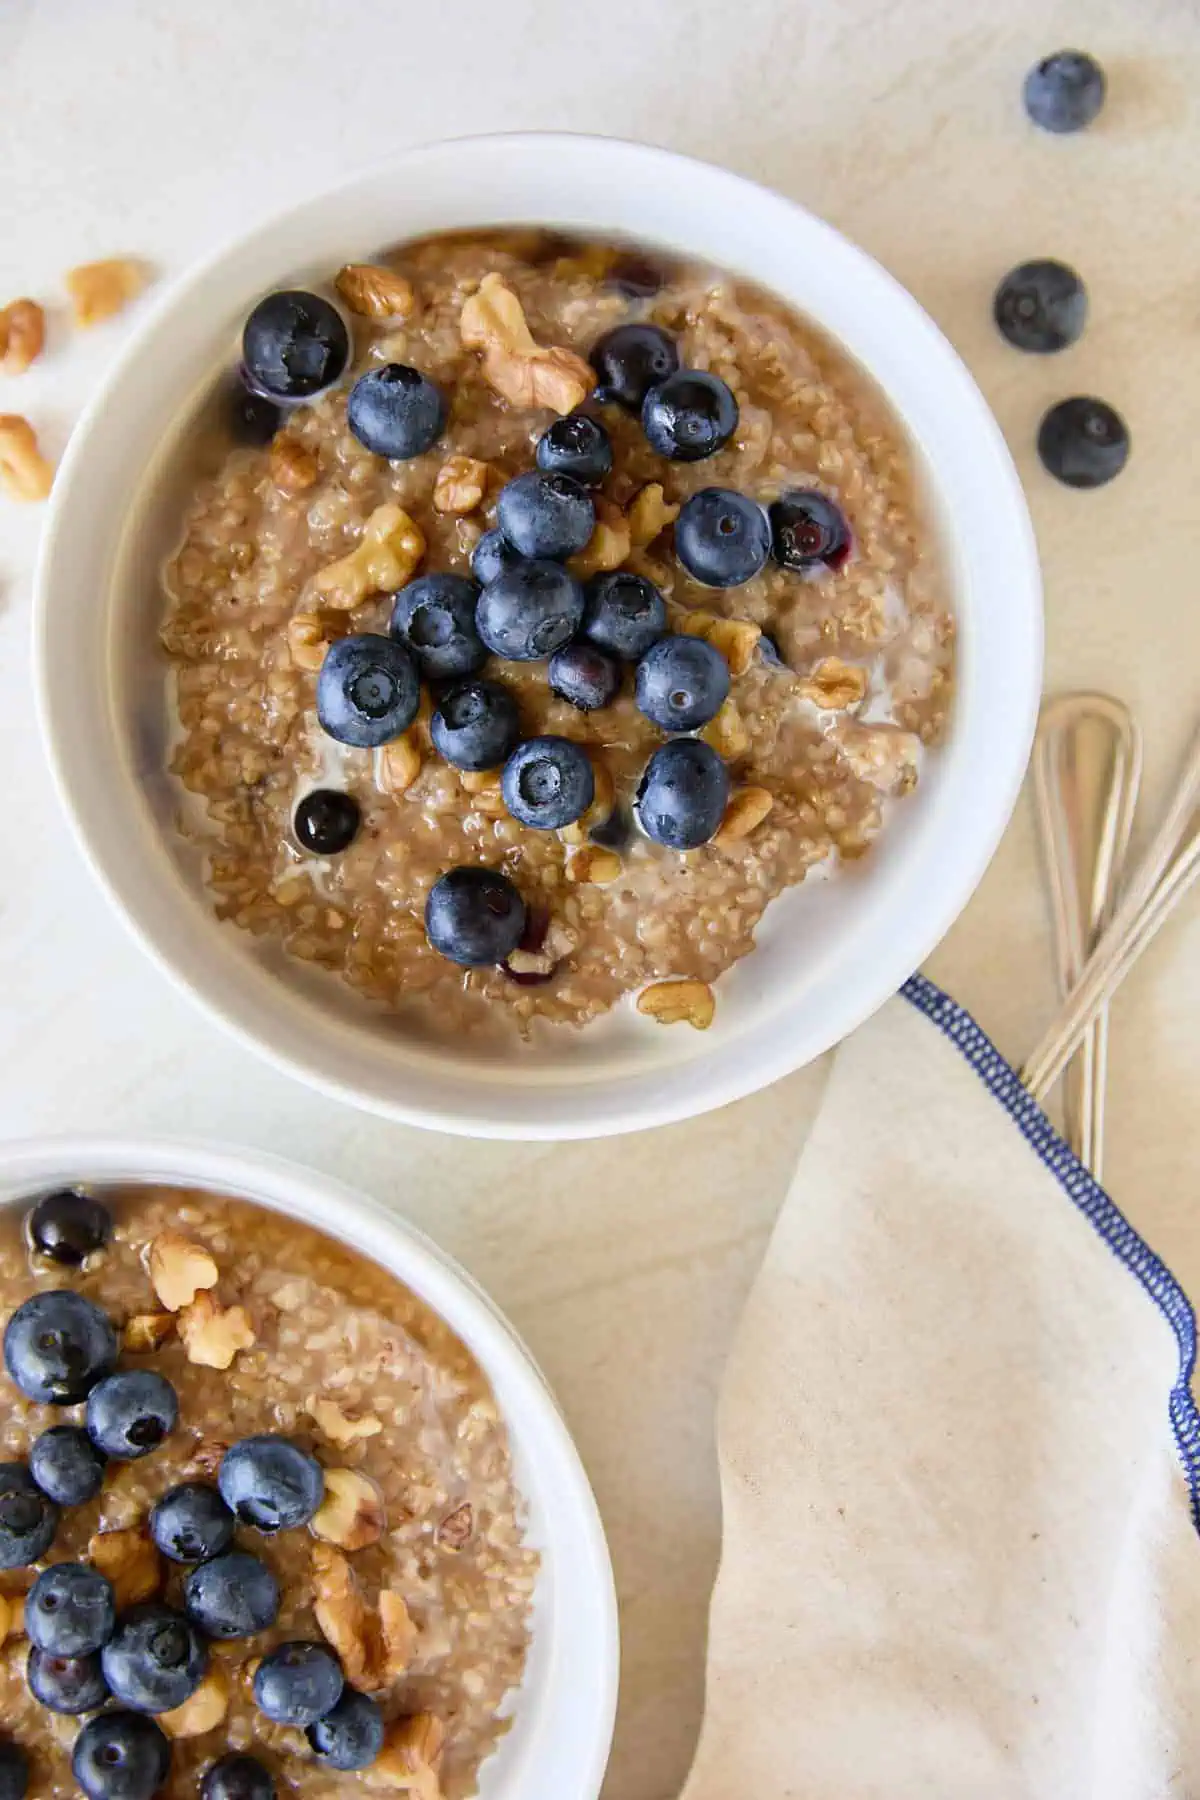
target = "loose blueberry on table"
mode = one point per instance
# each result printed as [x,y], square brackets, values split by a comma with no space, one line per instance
[1040,306]
[1083,442]
[1065,92]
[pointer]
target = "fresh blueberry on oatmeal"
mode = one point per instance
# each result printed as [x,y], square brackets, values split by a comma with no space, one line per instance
[57,1346]
[130,1413]
[298,1683]
[808,530]
[396,412]
[121,1755]
[683,795]
[578,446]
[630,360]
[548,782]
[294,345]
[327,821]
[69,1226]
[434,618]
[584,675]
[237,1778]
[546,516]
[624,614]
[722,538]
[191,1523]
[475,725]
[689,416]
[681,683]
[530,611]
[67,1465]
[269,1482]
[154,1660]
[493,556]
[368,690]
[350,1736]
[66,1684]
[70,1610]
[474,917]
[28,1519]
[232,1596]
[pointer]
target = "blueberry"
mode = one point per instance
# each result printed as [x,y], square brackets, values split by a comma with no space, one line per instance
[1064,92]
[585,675]
[721,537]
[1040,306]
[474,917]
[808,530]
[297,1684]
[70,1610]
[191,1523]
[130,1413]
[434,618]
[232,1596]
[548,516]
[253,418]
[396,412]
[326,821]
[623,613]
[577,445]
[68,1226]
[237,1778]
[632,359]
[271,1483]
[475,724]
[350,1736]
[294,344]
[681,683]
[548,783]
[57,1346]
[530,611]
[14,1771]
[683,794]
[28,1520]
[66,1684]
[1083,442]
[493,556]
[690,416]
[155,1659]
[120,1756]
[368,690]
[66,1465]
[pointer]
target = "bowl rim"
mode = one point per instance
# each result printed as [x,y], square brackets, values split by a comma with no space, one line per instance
[480,1111]
[389,1239]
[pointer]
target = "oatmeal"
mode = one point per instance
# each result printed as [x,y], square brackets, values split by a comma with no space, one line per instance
[534,439]
[375,1529]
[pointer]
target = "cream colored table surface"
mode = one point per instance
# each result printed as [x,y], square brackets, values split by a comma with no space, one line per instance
[160,127]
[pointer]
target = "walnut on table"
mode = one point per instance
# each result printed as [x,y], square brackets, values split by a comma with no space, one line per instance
[22,335]
[99,290]
[25,473]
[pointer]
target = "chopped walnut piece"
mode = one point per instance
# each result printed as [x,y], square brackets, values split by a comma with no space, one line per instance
[736,639]
[460,486]
[213,1334]
[343,1615]
[411,1757]
[398,1636]
[603,800]
[834,685]
[352,1513]
[454,1532]
[146,1331]
[594,865]
[398,764]
[22,334]
[727,732]
[521,371]
[179,1269]
[649,515]
[204,1708]
[131,1562]
[336,1425]
[99,290]
[748,807]
[292,464]
[480,781]
[24,472]
[679,1002]
[375,292]
[608,545]
[385,557]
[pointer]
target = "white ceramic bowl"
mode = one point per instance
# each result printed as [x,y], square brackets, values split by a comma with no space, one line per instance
[562,1715]
[829,952]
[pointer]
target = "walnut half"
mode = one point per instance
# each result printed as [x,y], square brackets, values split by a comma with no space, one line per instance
[352,1514]
[375,292]
[522,371]
[385,557]
[22,334]
[179,1268]
[24,472]
[99,290]
[213,1334]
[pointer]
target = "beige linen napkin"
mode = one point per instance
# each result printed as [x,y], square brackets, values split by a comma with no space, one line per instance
[960,1461]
